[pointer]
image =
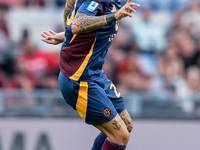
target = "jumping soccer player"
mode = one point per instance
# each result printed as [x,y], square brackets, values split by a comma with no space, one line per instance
[90,29]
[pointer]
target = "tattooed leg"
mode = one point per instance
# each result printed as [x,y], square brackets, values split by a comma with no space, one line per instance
[115,130]
[116,124]
[127,120]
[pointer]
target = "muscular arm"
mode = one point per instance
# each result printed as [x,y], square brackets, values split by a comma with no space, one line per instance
[68,6]
[83,23]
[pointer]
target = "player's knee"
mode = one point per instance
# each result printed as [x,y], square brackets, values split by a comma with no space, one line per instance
[125,138]
[122,138]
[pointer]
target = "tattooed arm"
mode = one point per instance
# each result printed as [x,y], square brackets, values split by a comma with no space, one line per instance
[68,6]
[84,24]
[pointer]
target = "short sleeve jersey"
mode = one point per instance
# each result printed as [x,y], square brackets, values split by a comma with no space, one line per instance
[82,55]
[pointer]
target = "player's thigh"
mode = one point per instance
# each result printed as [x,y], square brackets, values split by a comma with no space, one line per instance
[127,119]
[99,107]
[89,99]
[114,95]
[118,102]
[115,130]
[69,89]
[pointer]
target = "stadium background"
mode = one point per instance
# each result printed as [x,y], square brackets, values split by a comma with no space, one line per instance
[154,61]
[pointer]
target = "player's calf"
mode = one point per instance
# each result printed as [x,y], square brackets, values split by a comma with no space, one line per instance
[127,120]
[117,142]
[117,133]
[112,146]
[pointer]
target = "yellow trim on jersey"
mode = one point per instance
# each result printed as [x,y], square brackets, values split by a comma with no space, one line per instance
[73,38]
[114,9]
[79,72]
[116,25]
[70,20]
[81,105]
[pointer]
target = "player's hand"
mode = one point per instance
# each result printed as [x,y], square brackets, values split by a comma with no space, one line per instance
[52,38]
[126,10]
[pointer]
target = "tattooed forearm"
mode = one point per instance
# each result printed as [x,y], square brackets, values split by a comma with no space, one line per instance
[68,6]
[116,125]
[86,23]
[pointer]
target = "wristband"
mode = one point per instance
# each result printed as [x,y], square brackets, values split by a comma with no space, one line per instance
[110,18]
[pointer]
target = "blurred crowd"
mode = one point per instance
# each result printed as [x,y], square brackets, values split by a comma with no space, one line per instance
[145,56]
[30,3]
[22,64]
[164,61]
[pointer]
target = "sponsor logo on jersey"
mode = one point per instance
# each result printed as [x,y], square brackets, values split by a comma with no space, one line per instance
[93,5]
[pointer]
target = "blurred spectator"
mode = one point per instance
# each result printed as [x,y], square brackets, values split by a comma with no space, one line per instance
[171,72]
[60,3]
[176,22]
[180,37]
[149,36]
[193,79]
[40,3]
[196,57]
[124,39]
[130,75]
[6,51]
[10,2]
[186,47]
[4,31]
[192,15]
[3,19]
[122,44]
[190,20]
[39,68]
[189,90]
[185,39]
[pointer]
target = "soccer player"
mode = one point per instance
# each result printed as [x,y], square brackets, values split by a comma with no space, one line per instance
[91,26]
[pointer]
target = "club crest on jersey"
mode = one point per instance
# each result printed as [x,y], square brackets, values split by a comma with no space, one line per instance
[93,5]
[107,112]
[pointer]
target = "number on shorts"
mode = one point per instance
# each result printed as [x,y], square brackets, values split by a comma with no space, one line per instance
[112,86]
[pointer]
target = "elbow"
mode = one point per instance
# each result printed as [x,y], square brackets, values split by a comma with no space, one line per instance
[74,29]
